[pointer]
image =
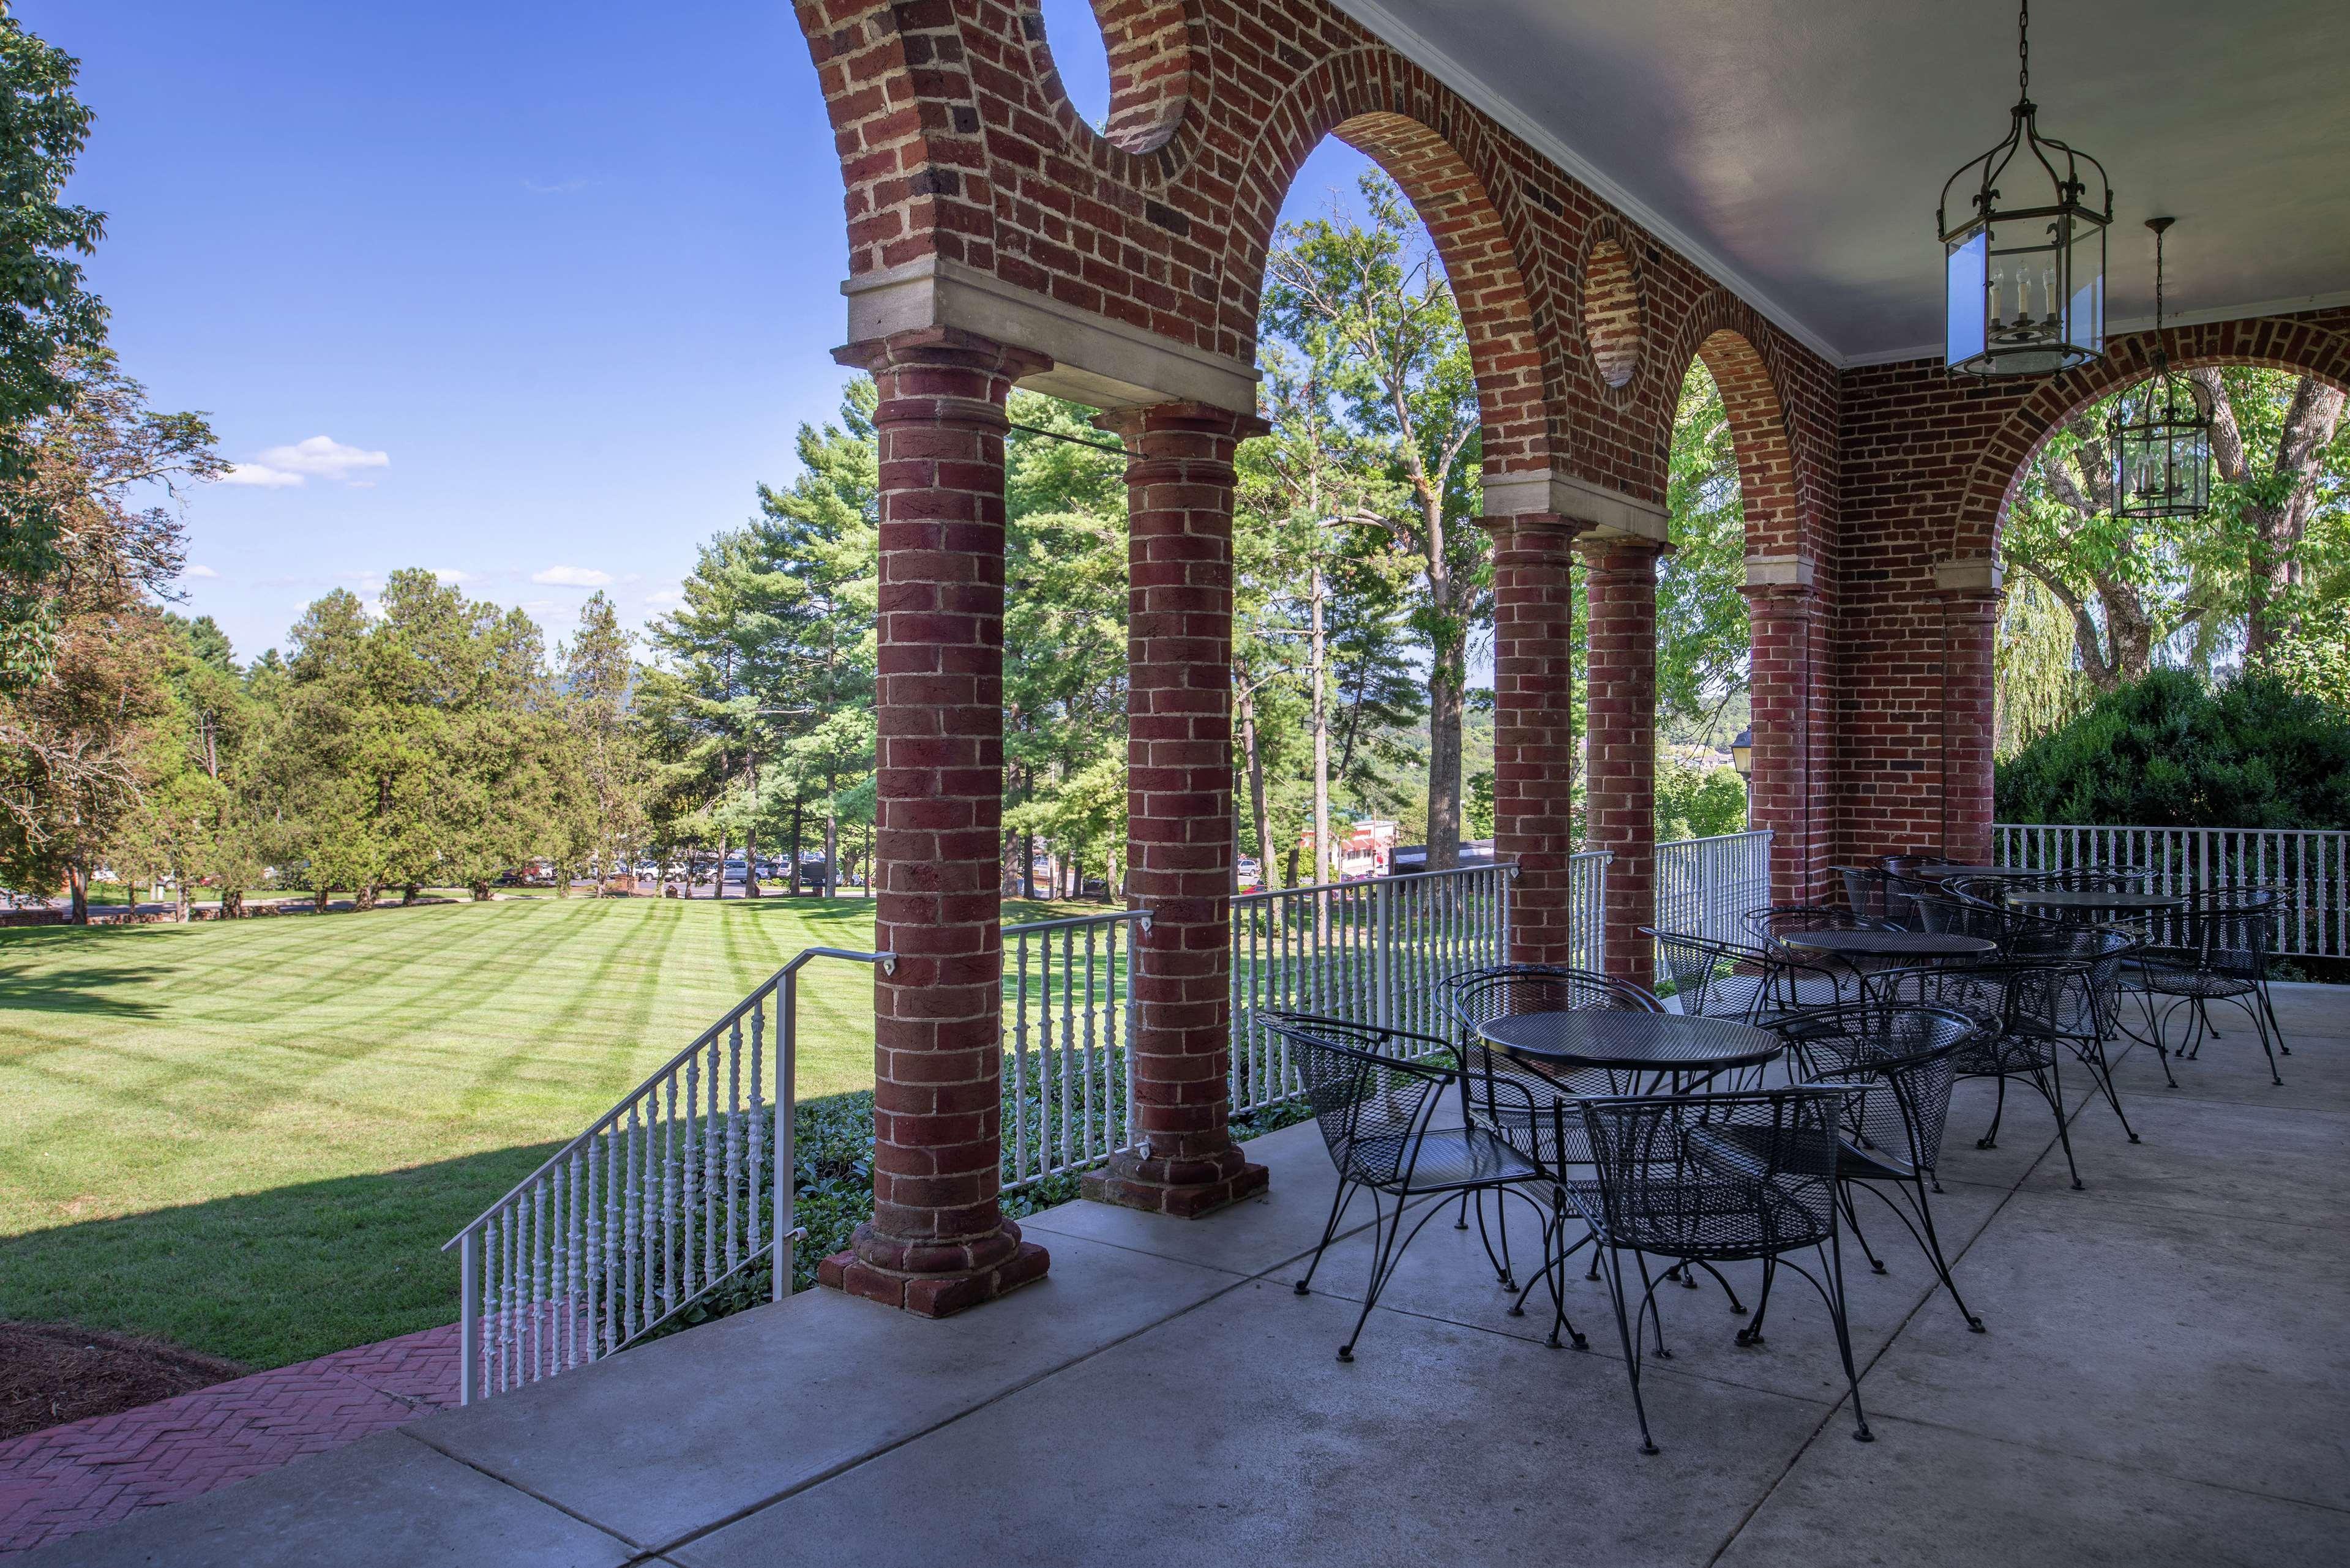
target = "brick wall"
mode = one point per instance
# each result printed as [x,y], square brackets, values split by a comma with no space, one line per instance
[1926,463]
[956,141]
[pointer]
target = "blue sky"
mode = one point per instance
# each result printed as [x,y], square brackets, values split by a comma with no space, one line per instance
[527,292]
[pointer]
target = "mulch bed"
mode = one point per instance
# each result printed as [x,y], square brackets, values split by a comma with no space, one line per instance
[53,1373]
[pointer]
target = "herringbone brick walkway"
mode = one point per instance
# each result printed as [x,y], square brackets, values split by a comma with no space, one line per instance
[77,1477]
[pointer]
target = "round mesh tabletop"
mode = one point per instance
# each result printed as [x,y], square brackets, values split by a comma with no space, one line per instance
[1937,873]
[1636,1042]
[1888,944]
[2091,898]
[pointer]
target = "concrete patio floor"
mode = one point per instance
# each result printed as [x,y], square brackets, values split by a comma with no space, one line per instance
[2166,1380]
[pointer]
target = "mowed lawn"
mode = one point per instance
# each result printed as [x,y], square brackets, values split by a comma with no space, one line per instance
[251,1138]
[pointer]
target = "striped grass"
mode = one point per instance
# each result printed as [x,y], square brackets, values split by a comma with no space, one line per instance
[251,1138]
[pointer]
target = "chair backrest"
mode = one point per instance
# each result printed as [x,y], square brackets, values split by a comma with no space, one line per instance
[1717,979]
[1768,925]
[1479,996]
[1902,1059]
[1665,1165]
[2230,931]
[1866,891]
[1372,1090]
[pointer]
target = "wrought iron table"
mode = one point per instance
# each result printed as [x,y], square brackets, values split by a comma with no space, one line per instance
[1868,943]
[2085,901]
[1665,1047]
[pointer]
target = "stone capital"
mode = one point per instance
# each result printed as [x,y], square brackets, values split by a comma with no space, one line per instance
[1553,491]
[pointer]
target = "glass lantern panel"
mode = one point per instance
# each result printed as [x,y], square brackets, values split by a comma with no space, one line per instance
[1964,303]
[2085,313]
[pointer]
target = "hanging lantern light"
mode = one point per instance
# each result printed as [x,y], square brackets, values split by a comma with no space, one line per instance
[2161,431]
[2024,267]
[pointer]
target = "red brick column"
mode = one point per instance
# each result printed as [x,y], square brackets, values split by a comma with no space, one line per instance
[938,1241]
[1970,624]
[1179,792]
[1621,744]
[1533,726]
[1788,715]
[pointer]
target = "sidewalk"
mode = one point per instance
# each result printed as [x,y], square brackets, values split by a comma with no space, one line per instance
[56,1482]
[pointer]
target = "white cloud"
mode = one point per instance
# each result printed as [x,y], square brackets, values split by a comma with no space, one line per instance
[557,188]
[261,474]
[200,572]
[573,578]
[663,597]
[324,456]
[451,576]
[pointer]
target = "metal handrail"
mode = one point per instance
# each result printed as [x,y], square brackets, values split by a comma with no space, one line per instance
[547,1277]
[766,988]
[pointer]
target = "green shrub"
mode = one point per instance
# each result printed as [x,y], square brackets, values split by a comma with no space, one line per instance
[2170,751]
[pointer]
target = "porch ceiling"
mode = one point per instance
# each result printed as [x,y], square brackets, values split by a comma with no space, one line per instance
[1799,149]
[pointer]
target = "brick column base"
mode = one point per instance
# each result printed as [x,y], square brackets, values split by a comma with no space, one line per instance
[1621,747]
[1179,762]
[938,1241]
[1534,727]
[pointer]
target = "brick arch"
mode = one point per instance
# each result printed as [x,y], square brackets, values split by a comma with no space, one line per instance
[905,115]
[1434,148]
[1160,73]
[2273,343]
[1778,472]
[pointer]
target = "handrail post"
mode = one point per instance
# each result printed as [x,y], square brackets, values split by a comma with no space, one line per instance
[785,1175]
[1382,959]
[469,1316]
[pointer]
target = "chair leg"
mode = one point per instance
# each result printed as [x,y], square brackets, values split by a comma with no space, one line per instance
[1989,1139]
[1834,1260]
[1941,1265]
[1338,1202]
[1500,1265]
[1631,1351]
[1852,1219]
[2102,1073]
[1752,1333]
[2264,1020]
[1649,1299]
[2269,1007]
[1380,1266]
[2054,1092]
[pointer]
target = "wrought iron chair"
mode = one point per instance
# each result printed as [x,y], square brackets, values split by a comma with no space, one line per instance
[2020,1006]
[1718,979]
[2215,949]
[1511,1099]
[1902,1061]
[1376,1093]
[1865,889]
[1722,1178]
[2085,1015]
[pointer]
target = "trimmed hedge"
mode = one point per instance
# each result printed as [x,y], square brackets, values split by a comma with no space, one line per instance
[2170,752]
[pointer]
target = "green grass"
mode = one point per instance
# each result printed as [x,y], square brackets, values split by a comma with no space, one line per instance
[251,1138]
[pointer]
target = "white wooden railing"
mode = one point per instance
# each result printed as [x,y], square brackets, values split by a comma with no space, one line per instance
[2311,868]
[1068,1012]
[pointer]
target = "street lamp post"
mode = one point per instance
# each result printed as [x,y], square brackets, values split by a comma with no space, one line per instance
[1742,757]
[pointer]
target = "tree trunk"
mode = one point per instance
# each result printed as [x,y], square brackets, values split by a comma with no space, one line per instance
[481,891]
[1260,818]
[751,862]
[77,892]
[718,874]
[232,906]
[1446,704]
[180,901]
[408,894]
[320,897]
[365,897]
[1317,672]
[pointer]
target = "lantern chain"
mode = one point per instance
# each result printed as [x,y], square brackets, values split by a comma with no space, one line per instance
[2024,51]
